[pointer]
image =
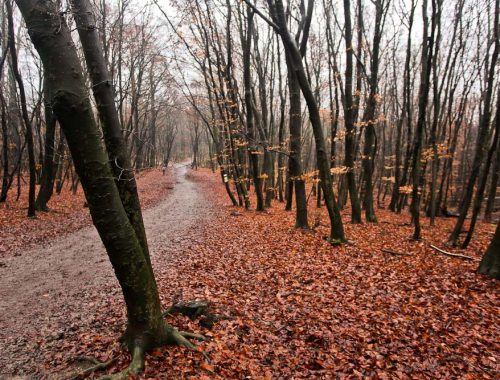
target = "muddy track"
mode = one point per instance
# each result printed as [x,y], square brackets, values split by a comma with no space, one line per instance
[52,292]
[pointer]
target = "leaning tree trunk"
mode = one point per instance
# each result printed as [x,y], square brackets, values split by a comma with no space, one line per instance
[102,87]
[484,178]
[70,101]
[482,134]
[322,156]
[490,264]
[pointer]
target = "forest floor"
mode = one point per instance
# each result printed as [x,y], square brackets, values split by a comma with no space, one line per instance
[301,308]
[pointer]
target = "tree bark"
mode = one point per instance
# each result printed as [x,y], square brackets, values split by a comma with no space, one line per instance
[70,101]
[102,88]
[48,169]
[423,97]
[490,263]
[252,147]
[322,156]
[349,115]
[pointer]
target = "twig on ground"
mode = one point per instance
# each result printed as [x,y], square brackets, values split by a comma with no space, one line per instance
[453,254]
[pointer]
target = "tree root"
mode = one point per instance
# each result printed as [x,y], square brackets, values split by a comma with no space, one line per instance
[180,338]
[191,309]
[172,337]
[191,335]
[194,309]
[97,366]
[136,366]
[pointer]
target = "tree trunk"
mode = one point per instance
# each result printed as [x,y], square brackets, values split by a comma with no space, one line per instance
[102,87]
[484,177]
[490,263]
[48,169]
[369,117]
[322,156]
[294,162]
[423,96]
[24,113]
[490,204]
[350,129]
[252,147]
[69,98]
[482,134]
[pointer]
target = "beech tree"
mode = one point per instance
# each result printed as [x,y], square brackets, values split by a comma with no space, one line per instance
[294,62]
[490,264]
[114,220]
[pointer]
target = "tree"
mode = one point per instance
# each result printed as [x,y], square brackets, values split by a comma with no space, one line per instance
[423,97]
[490,263]
[294,62]
[349,112]
[51,37]
[405,115]
[49,167]
[484,125]
[250,122]
[369,117]
[24,111]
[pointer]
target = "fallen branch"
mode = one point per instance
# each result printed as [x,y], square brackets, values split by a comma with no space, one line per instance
[453,254]
[395,253]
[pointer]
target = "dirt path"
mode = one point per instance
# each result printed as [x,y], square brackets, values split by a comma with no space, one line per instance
[50,293]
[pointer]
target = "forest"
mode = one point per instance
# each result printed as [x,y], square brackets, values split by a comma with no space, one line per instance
[251,189]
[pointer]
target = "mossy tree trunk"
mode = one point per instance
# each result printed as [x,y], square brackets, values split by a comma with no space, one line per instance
[70,101]
[490,264]
[102,88]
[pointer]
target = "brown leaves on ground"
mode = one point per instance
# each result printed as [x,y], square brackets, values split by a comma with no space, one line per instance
[66,213]
[305,309]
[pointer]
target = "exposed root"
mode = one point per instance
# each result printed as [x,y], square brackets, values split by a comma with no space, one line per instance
[191,335]
[136,366]
[191,309]
[171,336]
[167,312]
[97,366]
[180,338]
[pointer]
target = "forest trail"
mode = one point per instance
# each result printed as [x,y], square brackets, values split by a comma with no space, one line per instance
[51,291]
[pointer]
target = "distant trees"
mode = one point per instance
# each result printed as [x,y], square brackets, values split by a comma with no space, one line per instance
[491,76]
[341,102]
[24,109]
[31,139]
